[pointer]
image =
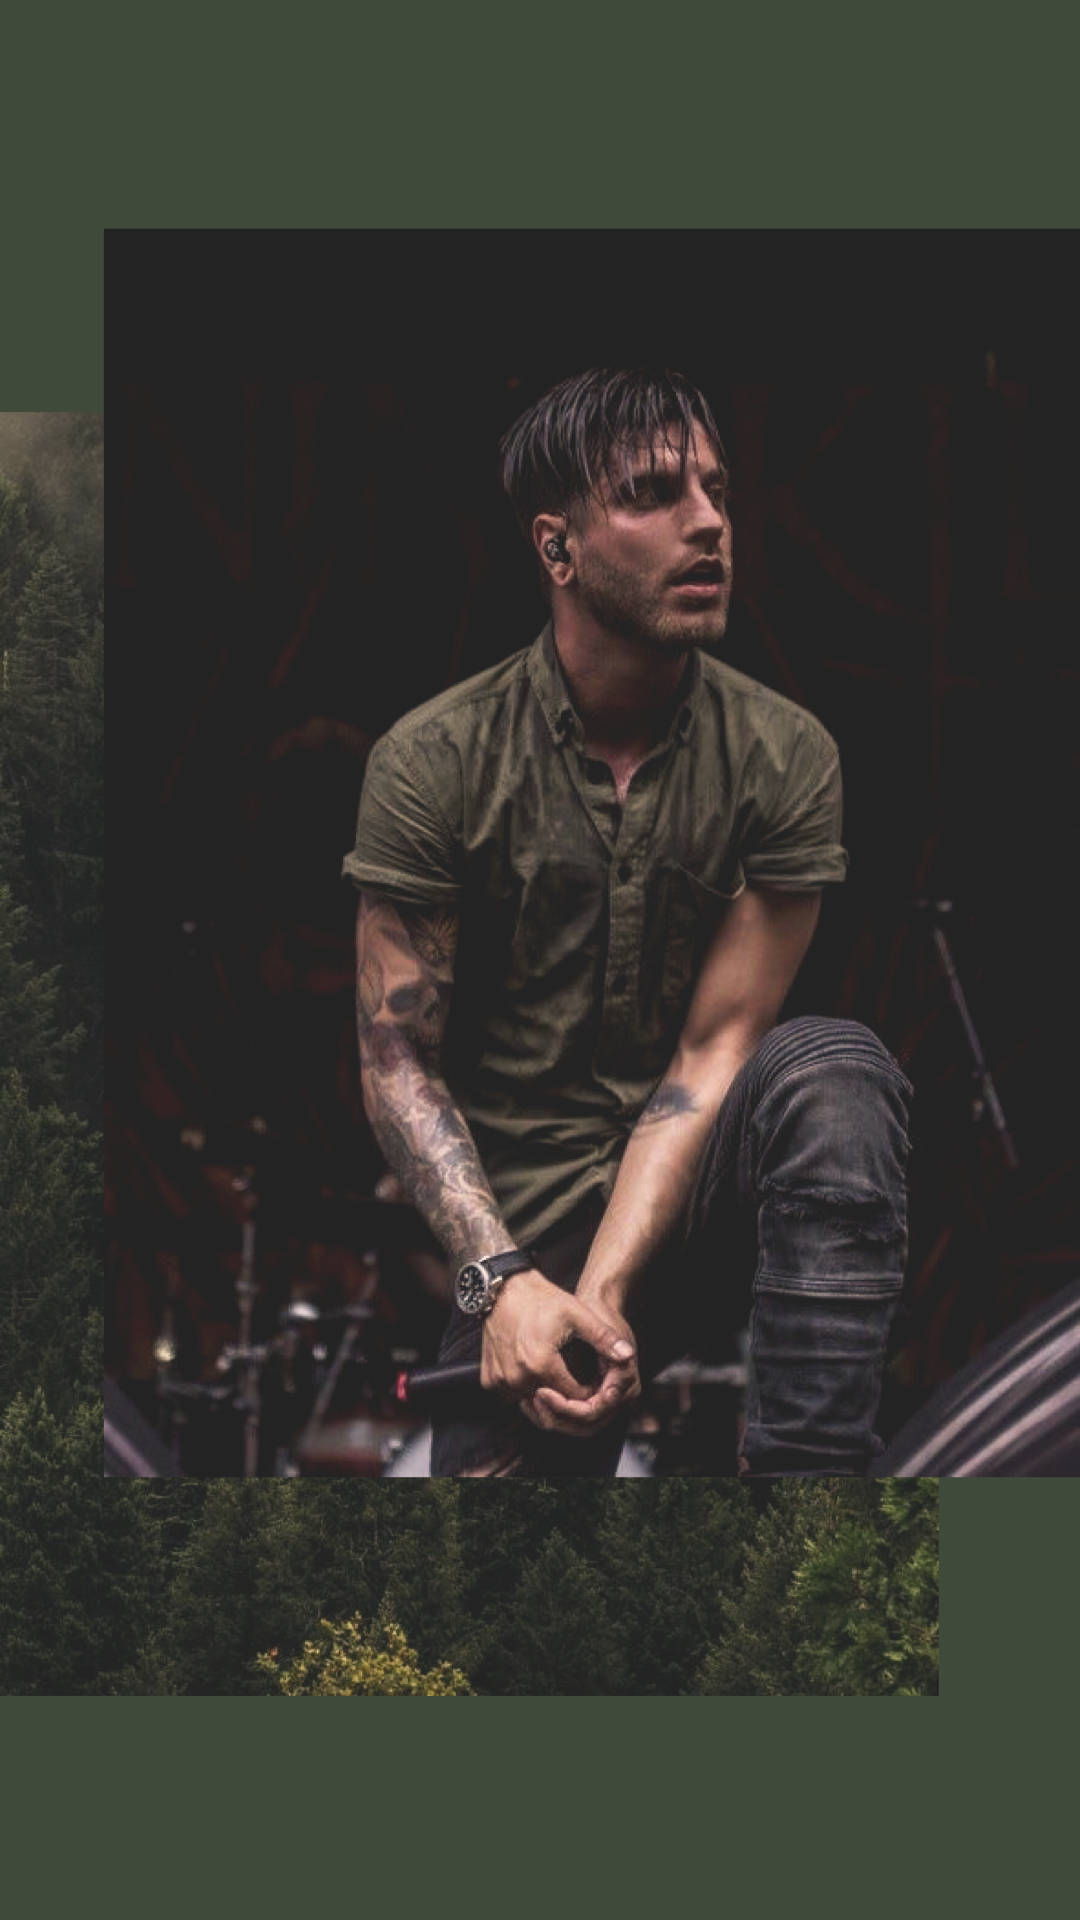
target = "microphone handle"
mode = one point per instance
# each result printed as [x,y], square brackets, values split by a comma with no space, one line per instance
[433,1380]
[464,1376]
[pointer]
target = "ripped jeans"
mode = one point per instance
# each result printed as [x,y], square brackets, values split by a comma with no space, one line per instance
[799,1215]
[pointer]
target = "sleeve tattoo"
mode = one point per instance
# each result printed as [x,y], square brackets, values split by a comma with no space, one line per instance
[405,959]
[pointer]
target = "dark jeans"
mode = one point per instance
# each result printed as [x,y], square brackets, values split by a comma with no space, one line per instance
[799,1217]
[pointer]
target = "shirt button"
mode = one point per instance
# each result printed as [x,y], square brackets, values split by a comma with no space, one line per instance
[625,871]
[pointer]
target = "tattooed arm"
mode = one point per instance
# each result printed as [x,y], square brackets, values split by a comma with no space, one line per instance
[404,976]
[746,975]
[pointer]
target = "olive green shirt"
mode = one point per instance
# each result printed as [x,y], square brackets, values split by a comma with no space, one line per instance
[582,922]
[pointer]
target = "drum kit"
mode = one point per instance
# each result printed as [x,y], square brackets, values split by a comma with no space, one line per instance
[337,1382]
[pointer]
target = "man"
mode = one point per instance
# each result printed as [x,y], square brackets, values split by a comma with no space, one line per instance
[588,878]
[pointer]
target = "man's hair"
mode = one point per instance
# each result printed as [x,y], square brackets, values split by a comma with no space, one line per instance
[585,431]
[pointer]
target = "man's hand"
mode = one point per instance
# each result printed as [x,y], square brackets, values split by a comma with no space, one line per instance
[524,1334]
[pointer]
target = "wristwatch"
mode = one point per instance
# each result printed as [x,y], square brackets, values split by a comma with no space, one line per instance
[478,1283]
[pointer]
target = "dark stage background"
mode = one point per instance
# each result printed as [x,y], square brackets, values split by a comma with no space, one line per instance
[306,538]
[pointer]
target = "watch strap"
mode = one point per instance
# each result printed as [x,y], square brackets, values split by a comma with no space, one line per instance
[499,1266]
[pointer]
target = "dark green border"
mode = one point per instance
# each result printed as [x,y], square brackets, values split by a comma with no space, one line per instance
[471,117]
[779,115]
[641,1803]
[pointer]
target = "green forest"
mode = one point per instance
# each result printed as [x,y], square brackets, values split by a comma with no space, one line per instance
[319,1586]
[676,1586]
[51,915]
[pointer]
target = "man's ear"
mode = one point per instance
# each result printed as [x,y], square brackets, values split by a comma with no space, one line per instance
[550,534]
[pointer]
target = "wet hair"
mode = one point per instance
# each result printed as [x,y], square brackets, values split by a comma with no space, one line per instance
[585,430]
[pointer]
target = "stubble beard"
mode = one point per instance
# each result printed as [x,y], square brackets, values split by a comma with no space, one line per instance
[616,601]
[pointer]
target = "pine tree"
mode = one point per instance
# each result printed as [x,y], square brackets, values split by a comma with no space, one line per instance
[337,1555]
[556,1634]
[756,1649]
[50,617]
[839,1597]
[866,1596]
[50,1197]
[425,1586]
[11,867]
[670,1553]
[222,1609]
[79,1572]
[50,693]
[29,1041]
[18,550]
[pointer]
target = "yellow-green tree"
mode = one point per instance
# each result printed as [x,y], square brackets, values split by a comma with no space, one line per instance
[348,1658]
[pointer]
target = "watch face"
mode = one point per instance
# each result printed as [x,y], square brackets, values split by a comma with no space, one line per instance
[472,1289]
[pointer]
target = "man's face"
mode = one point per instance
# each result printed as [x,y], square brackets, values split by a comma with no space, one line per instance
[654,566]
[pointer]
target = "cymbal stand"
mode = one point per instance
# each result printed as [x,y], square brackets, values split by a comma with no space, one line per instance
[984,1099]
[248,1399]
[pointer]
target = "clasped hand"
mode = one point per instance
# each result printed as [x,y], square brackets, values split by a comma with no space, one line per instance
[522,1357]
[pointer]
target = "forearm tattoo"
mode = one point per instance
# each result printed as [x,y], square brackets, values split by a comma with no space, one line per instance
[669,1099]
[405,960]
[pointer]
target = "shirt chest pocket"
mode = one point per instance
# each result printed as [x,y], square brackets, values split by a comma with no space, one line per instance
[690,914]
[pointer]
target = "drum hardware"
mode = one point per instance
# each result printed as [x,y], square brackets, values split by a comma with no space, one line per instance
[687,1374]
[984,1099]
[244,1356]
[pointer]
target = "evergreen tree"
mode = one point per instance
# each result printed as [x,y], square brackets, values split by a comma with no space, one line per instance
[18,551]
[11,869]
[338,1552]
[866,1596]
[503,1524]
[222,1609]
[61,484]
[839,1597]
[670,1553]
[556,1633]
[50,1196]
[425,1586]
[50,740]
[756,1649]
[79,1572]
[29,1041]
[50,618]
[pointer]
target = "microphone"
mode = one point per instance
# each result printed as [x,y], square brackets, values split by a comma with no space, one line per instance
[463,1376]
[431,1383]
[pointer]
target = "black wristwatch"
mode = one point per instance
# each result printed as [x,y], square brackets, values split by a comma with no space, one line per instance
[478,1283]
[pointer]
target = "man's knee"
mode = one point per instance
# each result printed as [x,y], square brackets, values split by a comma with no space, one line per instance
[831,1114]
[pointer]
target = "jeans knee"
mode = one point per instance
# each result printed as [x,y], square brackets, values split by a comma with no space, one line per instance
[815,1050]
[833,1109]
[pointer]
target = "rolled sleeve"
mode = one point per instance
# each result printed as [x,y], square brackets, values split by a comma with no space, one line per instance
[794,841]
[404,845]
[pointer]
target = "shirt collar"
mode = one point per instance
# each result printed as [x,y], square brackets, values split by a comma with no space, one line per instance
[551,690]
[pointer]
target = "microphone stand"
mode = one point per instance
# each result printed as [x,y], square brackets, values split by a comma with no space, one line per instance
[248,1398]
[985,1099]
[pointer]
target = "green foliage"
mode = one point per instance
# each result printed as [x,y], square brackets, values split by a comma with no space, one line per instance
[425,1584]
[867,1597]
[79,1558]
[227,1599]
[671,1549]
[50,1187]
[839,1594]
[346,1658]
[18,550]
[50,617]
[29,1041]
[556,1632]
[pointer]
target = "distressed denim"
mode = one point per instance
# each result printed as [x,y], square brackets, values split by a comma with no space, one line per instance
[799,1216]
